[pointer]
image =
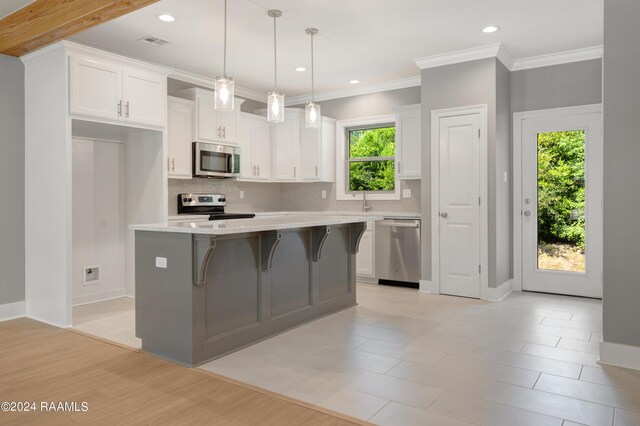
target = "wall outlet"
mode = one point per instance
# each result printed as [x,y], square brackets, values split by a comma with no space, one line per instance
[161,262]
[505,176]
[406,193]
[242,195]
[90,275]
[324,194]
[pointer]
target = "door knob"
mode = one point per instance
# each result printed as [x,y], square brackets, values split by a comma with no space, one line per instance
[527,213]
[444,214]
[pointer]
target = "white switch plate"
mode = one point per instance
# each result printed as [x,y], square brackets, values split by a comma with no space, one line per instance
[406,193]
[242,195]
[161,262]
[324,194]
[505,176]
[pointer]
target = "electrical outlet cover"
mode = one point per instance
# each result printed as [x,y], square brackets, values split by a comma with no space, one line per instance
[406,193]
[324,194]
[161,262]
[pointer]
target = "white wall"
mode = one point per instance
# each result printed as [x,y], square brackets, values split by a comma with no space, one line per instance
[99,218]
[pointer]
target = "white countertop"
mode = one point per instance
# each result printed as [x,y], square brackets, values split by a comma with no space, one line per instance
[369,215]
[257,224]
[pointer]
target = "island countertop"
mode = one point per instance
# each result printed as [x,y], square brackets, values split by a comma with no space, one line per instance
[256,224]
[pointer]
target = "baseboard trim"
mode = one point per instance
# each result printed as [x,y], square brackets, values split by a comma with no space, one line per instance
[100,297]
[427,287]
[500,292]
[10,311]
[367,280]
[619,355]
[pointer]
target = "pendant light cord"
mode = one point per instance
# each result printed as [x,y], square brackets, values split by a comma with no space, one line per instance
[224,69]
[313,87]
[275,55]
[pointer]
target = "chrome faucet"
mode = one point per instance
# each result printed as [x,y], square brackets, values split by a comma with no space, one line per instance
[365,207]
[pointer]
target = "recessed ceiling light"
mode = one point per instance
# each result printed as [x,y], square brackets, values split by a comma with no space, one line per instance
[300,69]
[166,18]
[490,29]
[354,81]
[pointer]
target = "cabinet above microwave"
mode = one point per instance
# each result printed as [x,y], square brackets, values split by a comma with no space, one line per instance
[210,125]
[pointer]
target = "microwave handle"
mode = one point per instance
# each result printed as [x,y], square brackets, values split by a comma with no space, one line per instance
[230,165]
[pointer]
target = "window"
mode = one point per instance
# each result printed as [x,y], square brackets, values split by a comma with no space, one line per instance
[366,151]
[371,159]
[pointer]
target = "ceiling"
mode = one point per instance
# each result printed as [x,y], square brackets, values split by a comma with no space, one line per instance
[7,7]
[373,41]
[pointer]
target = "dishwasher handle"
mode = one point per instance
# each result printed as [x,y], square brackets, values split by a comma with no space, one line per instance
[399,224]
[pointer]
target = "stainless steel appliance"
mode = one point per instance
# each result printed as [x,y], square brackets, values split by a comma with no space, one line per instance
[207,204]
[215,161]
[398,250]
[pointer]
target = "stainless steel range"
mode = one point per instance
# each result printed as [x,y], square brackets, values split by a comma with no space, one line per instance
[211,204]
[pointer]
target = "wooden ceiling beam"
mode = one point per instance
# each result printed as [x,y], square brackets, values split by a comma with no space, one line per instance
[44,22]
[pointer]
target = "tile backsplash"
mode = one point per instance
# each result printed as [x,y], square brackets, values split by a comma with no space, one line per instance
[261,197]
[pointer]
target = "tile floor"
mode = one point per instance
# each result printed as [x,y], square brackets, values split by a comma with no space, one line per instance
[403,358]
[112,320]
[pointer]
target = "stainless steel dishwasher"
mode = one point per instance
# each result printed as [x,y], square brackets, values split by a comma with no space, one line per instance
[398,250]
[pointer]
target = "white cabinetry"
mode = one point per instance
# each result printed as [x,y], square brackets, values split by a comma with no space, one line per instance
[255,143]
[408,141]
[180,125]
[286,152]
[116,91]
[211,125]
[365,257]
[319,152]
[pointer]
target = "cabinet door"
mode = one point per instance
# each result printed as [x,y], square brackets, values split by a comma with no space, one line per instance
[408,148]
[328,149]
[206,121]
[228,123]
[144,97]
[180,123]
[262,150]
[311,146]
[245,139]
[364,258]
[95,88]
[286,142]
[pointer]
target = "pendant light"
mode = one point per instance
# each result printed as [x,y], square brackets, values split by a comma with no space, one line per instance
[275,100]
[225,87]
[312,109]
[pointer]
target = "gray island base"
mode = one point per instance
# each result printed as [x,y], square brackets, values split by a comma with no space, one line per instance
[222,292]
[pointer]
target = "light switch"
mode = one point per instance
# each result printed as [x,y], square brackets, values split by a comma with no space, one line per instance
[161,262]
[406,193]
[324,194]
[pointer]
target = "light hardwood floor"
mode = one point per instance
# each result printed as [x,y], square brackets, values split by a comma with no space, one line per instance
[40,363]
[403,358]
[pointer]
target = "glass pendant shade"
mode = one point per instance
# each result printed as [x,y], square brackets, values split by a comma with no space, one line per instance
[275,107]
[312,115]
[225,91]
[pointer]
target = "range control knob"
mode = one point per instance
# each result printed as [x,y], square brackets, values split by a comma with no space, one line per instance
[222,200]
[184,200]
[190,200]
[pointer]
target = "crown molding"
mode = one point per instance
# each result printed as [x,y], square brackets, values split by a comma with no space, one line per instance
[210,83]
[559,58]
[459,56]
[402,83]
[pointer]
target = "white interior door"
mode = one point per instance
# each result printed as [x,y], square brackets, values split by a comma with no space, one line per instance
[561,203]
[459,205]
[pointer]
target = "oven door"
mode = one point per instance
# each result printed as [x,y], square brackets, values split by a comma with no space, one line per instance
[212,160]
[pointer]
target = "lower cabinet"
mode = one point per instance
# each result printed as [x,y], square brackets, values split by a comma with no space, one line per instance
[365,257]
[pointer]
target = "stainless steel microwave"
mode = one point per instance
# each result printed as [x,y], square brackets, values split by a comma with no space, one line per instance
[215,161]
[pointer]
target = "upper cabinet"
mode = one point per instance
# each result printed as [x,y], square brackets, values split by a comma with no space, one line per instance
[287,148]
[117,91]
[409,142]
[319,152]
[211,125]
[255,143]
[180,138]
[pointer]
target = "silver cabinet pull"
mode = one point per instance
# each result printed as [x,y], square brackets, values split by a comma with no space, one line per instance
[258,169]
[126,110]
[444,214]
[294,172]
[120,109]
[316,171]
[219,132]
[173,164]
[254,169]
[224,132]
[168,164]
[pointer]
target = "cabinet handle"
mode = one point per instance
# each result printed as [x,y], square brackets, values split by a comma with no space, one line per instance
[173,164]
[168,164]
[126,110]
[294,172]
[399,167]
[254,169]
[258,169]
[316,171]
[219,132]
[224,132]
[120,109]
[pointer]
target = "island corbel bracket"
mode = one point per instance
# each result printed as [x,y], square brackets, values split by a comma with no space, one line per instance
[319,236]
[203,248]
[357,231]
[270,241]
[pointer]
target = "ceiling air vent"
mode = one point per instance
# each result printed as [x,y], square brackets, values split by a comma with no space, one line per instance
[153,41]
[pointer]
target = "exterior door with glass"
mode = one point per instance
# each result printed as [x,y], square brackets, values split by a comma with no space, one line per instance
[561,202]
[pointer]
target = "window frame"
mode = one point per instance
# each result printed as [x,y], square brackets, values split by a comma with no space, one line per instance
[342,159]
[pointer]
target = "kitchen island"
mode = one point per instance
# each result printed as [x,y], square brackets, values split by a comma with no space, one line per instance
[204,289]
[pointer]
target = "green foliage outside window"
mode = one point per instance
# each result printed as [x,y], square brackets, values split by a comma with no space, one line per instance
[378,147]
[561,187]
